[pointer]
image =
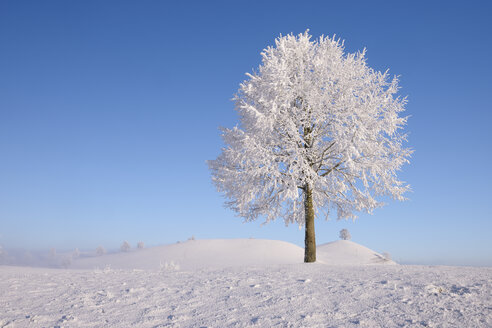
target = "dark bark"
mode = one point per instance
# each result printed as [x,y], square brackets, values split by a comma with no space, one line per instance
[310,239]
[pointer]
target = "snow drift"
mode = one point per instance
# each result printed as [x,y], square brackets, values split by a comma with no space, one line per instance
[222,253]
[346,252]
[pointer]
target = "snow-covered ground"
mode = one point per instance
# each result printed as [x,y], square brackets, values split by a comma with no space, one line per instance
[235,291]
[221,253]
[200,254]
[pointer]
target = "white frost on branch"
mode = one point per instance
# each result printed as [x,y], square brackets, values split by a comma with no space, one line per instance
[312,116]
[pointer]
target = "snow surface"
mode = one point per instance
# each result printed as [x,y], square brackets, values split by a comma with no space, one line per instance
[221,253]
[257,294]
[346,252]
[199,254]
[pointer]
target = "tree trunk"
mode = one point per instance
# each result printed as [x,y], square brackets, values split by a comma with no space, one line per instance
[310,239]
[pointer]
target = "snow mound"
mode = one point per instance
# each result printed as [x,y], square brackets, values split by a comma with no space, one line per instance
[346,252]
[200,254]
[223,253]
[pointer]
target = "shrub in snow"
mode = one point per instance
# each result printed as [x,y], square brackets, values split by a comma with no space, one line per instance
[140,245]
[107,269]
[387,256]
[345,234]
[125,247]
[171,266]
[319,130]
[100,251]
[192,238]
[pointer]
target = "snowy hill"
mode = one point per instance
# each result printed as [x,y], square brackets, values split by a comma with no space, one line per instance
[222,253]
[198,254]
[346,252]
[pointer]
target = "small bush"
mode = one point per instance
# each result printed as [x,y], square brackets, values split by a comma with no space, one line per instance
[345,234]
[171,266]
[125,247]
[100,251]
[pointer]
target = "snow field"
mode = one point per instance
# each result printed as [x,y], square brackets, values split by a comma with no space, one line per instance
[288,295]
[245,283]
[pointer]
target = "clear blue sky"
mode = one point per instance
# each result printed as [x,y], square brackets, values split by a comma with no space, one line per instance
[109,110]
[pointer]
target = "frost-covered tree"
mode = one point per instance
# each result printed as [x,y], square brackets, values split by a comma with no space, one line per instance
[125,247]
[100,250]
[140,245]
[76,253]
[345,234]
[319,130]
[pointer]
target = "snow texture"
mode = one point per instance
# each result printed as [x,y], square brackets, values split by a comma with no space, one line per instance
[253,295]
[312,118]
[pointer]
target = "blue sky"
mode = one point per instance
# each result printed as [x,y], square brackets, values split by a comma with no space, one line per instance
[109,110]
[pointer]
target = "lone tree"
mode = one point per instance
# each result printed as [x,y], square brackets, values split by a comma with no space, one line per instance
[345,234]
[125,247]
[100,250]
[319,131]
